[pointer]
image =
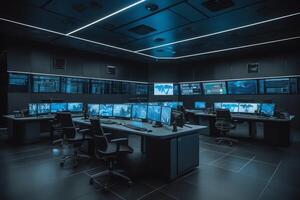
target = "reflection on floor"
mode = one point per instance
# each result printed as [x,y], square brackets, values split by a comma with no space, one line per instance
[249,170]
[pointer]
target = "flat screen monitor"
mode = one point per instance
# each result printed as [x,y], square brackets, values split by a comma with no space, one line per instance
[232,107]
[139,111]
[154,103]
[214,88]
[154,113]
[217,105]
[200,105]
[93,109]
[166,113]
[267,109]
[190,88]
[163,89]
[58,107]
[43,108]
[32,108]
[248,108]
[242,87]
[122,110]
[171,104]
[106,110]
[277,86]
[75,107]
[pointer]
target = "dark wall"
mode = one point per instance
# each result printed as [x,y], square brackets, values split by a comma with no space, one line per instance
[234,66]
[36,57]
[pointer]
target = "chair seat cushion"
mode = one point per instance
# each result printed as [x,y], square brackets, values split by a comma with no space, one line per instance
[112,149]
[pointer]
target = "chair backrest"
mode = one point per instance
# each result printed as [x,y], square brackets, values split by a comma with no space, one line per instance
[100,138]
[223,119]
[65,119]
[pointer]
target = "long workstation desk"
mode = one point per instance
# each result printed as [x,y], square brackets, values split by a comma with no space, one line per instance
[276,130]
[166,151]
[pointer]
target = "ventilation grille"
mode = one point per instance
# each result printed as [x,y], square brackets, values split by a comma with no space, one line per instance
[111,70]
[253,68]
[217,5]
[142,29]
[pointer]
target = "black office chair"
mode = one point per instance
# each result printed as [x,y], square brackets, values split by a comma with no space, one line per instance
[109,151]
[224,125]
[71,136]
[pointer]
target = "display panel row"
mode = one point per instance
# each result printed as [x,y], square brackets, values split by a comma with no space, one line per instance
[243,87]
[56,84]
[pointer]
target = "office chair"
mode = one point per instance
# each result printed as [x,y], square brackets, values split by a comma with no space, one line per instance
[71,136]
[191,118]
[109,151]
[224,125]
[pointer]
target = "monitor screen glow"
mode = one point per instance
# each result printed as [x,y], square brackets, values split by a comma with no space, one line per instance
[106,110]
[75,107]
[267,109]
[154,113]
[139,111]
[166,113]
[43,108]
[58,107]
[214,88]
[232,107]
[122,110]
[93,109]
[163,89]
[242,87]
[248,108]
[32,108]
[200,105]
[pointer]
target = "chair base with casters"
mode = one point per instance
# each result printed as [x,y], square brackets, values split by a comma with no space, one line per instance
[75,157]
[110,172]
[219,140]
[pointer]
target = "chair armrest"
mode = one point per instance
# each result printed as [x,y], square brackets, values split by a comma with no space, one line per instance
[118,140]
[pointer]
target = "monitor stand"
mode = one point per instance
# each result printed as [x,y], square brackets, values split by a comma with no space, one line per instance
[157,125]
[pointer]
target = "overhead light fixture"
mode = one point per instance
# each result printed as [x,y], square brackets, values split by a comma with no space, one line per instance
[108,16]
[230,49]
[219,32]
[74,37]
[151,7]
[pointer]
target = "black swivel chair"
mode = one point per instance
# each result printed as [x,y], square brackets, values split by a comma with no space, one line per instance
[71,136]
[224,125]
[109,151]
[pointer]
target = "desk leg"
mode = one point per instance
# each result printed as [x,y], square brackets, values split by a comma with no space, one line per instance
[252,129]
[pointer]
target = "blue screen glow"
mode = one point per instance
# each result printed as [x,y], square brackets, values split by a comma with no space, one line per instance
[122,110]
[75,107]
[200,105]
[106,110]
[166,113]
[248,107]
[32,108]
[139,111]
[163,89]
[242,87]
[43,108]
[267,109]
[232,107]
[93,109]
[58,107]
[154,113]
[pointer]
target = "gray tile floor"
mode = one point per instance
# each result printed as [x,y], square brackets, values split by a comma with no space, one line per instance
[249,170]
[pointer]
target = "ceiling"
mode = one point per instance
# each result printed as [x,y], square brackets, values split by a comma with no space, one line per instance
[214,25]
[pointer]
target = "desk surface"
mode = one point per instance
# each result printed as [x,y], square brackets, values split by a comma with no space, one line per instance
[35,118]
[243,116]
[161,133]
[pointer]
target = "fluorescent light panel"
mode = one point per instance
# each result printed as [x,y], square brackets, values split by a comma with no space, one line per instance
[220,32]
[74,37]
[104,18]
[232,48]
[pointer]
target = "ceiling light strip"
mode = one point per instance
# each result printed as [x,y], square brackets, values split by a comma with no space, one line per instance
[232,48]
[69,76]
[108,16]
[220,32]
[74,37]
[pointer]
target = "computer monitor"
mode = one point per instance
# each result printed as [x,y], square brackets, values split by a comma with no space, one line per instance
[154,113]
[75,107]
[248,108]
[214,88]
[166,113]
[32,108]
[163,89]
[43,108]
[232,107]
[267,109]
[58,107]
[106,110]
[217,105]
[200,105]
[93,109]
[122,110]
[171,104]
[139,111]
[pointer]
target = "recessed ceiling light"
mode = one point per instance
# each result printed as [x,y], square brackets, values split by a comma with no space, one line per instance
[151,7]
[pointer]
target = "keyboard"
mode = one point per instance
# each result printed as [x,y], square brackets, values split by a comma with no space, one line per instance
[135,127]
[107,122]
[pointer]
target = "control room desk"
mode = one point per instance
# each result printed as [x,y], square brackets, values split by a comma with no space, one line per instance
[276,131]
[26,130]
[168,154]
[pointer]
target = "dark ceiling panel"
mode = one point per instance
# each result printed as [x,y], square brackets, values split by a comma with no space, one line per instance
[87,10]
[161,22]
[188,12]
